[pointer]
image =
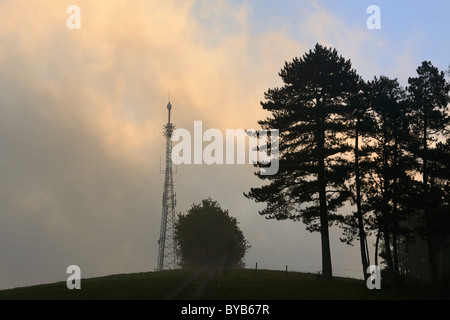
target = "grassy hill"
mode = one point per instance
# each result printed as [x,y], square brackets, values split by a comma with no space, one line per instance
[267,285]
[242,284]
[136,286]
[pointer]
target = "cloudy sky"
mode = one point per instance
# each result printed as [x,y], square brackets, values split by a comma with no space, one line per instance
[81,116]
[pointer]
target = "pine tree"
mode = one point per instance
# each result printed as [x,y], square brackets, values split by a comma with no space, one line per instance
[310,111]
[360,126]
[429,96]
[388,177]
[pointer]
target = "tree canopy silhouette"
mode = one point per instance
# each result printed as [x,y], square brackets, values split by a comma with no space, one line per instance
[207,236]
[375,145]
[429,98]
[310,111]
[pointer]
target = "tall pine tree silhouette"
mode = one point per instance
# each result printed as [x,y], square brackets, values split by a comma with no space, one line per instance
[429,95]
[310,111]
[388,171]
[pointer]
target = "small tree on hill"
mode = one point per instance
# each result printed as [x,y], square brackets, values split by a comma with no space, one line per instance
[208,236]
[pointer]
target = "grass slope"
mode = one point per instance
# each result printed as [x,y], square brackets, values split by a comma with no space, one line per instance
[269,285]
[243,284]
[136,286]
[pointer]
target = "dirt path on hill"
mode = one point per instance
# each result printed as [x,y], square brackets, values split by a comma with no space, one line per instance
[203,283]
[181,286]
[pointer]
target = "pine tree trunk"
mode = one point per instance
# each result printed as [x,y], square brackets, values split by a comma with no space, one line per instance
[377,245]
[395,208]
[362,234]
[429,233]
[386,217]
[367,252]
[395,252]
[387,248]
[327,272]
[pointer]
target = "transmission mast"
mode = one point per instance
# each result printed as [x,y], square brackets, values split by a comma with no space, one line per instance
[167,254]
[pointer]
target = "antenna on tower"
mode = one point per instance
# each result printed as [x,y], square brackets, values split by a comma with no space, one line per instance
[167,252]
[169,107]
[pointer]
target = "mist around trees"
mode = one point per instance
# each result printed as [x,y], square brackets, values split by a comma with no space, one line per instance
[373,146]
